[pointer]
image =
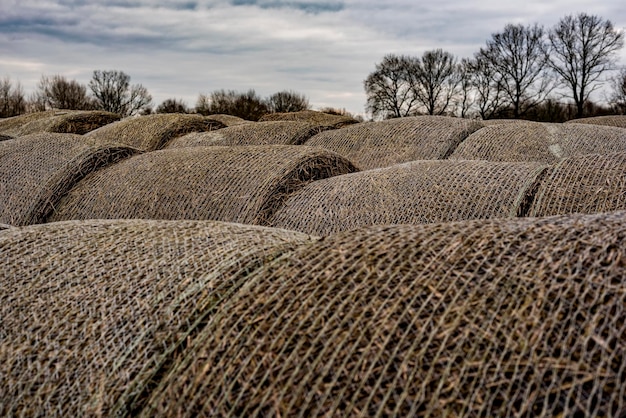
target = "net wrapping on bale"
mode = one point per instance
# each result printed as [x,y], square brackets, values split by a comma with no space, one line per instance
[68,121]
[254,133]
[244,184]
[382,144]
[415,192]
[228,120]
[543,142]
[152,132]
[94,312]
[37,170]
[311,116]
[583,184]
[618,121]
[510,318]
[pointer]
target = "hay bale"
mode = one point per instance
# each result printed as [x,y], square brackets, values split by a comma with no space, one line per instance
[543,142]
[228,120]
[311,116]
[37,170]
[10,126]
[413,193]
[583,184]
[68,121]
[382,144]
[618,121]
[152,132]
[92,312]
[235,184]
[489,122]
[501,318]
[257,133]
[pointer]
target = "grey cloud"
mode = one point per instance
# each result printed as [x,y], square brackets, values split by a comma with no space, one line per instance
[306,6]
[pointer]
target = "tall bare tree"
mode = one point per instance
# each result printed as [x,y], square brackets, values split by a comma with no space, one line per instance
[113,93]
[12,100]
[583,47]
[287,101]
[389,89]
[436,81]
[57,92]
[519,59]
[618,93]
[464,100]
[487,87]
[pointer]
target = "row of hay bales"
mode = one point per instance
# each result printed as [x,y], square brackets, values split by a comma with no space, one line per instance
[519,317]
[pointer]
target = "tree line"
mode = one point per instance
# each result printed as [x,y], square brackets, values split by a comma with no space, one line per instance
[521,72]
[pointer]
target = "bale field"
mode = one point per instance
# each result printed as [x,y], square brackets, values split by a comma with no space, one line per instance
[543,142]
[497,318]
[68,121]
[244,184]
[9,126]
[228,120]
[618,121]
[94,312]
[312,116]
[583,184]
[37,170]
[152,132]
[382,144]
[256,133]
[412,193]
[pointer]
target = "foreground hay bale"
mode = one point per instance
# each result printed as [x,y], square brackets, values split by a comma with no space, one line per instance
[492,318]
[153,132]
[413,193]
[583,184]
[618,121]
[93,312]
[10,126]
[543,142]
[68,121]
[382,144]
[228,120]
[312,116]
[37,170]
[236,184]
[258,133]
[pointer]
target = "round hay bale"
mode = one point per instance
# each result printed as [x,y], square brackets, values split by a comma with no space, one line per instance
[489,122]
[93,312]
[37,170]
[235,184]
[257,133]
[10,126]
[583,184]
[543,142]
[228,120]
[412,193]
[618,121]
[68,121]
[500,318]
[152,132]
[382,144]
[312,116]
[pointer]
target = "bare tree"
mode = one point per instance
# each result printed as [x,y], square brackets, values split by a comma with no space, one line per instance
[582,48]
[389,89]
[436,79]
[113,93]
[487,87]
[12,101]
[464,100]
[519,59]
[618,94]
[203,104]
[172,106]
[246,105]
[57,92]
[287,101]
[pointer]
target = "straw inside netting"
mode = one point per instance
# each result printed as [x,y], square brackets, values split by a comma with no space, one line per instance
[382,144]
[94,312]
[37,170]
[543,142]
[255,133]
[499,318]
[609,120]
[10,126]
[70,121]
[152,132]
[244,184]
[228,120]
[583,184]
[414,193]
[311,116]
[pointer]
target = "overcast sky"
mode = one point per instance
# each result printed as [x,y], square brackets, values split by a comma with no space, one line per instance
[321,48]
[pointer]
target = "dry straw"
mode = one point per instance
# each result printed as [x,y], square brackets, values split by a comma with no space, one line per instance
[544,142]
[37,170]
[228,120]
[503,318]
[93,312]
[312,116]
[11,126]
[255,133]
[68,121]
[618,121]
[244,184]
[382,144]
[412,193]
[584,184]
[153,132]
